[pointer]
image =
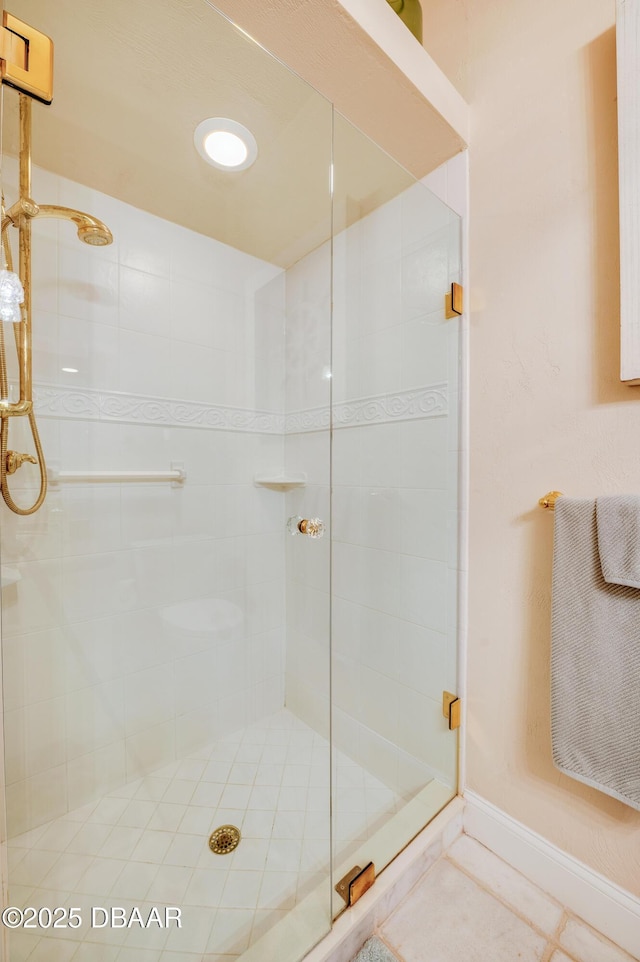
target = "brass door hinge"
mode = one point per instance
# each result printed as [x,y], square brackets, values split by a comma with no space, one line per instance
[454,301]
[356,882]
[26,59]
[451,709]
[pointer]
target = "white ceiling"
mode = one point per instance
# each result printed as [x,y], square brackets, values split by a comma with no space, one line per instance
[133,78]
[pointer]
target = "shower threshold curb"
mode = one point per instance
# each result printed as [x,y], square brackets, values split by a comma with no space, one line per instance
[354,926]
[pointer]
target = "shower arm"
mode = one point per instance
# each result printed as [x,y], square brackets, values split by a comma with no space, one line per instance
[91,231]
[20,215]
[27,207]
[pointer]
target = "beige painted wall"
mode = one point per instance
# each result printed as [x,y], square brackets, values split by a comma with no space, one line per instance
[547,408]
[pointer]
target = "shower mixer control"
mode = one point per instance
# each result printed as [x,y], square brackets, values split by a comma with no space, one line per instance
[312,527]
[15,460]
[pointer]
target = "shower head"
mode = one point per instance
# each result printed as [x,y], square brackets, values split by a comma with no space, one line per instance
[90,230]
[97,235]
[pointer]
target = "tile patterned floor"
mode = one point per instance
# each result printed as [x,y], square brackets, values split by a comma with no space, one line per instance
[473,906]
[146,844]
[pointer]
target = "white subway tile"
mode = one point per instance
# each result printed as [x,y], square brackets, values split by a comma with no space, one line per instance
[92,350]
[90,519]
[153,582]
[45,728]
[15,751]
[423,523]
[192,678]
[425,277]
[146,514]
[44,267]
[146,363]
[46,795]
[424,352]
[131,642]
[421,659]
[45,363]
[95,774]
[380,233]
[145,242]
[94,717]
[87,285]
[14,673]
[148,698]
[36,602]
[97,585]
[423,592]
[381,303]
[423,213]
[144,302]
[147,751]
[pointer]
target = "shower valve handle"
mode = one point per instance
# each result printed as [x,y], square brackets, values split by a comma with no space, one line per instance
[312,527]
[15,460]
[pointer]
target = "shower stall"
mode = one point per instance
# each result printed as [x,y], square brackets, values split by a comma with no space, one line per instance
[229,629]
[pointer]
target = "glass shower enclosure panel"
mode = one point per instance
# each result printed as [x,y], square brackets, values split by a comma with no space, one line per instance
[394,423]
[152,754]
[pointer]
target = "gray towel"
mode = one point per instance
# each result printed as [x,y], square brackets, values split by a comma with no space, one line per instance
[619,539]
[595,661]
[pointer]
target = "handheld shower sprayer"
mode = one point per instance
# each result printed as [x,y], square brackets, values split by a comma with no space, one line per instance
[91,231]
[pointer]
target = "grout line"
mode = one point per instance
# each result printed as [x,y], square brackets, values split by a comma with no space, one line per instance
[387,945]
[564,918]
[419,880]
[572,917]
[499,898]
[553,941]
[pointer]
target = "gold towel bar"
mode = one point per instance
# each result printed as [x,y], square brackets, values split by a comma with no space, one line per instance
[549,500]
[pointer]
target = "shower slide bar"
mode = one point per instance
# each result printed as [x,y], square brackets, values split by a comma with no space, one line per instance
[177,475]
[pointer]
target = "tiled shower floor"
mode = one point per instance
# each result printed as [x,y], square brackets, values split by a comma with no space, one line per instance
[147,844]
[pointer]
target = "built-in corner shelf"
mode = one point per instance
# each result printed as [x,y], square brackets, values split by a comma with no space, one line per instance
[281,482]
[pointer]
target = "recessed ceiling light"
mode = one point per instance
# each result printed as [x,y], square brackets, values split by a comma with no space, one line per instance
[70,370]
[225,144]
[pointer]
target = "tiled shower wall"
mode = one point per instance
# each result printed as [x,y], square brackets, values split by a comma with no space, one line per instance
[395,485]
[308,449]
[147,619]
[150,618]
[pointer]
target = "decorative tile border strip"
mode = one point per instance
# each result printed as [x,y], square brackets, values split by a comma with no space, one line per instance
[425,402]
[88,404]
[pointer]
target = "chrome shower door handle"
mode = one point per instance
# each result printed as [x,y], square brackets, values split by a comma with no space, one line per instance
[312,527]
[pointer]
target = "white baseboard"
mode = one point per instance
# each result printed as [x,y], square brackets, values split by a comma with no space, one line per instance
[592,897]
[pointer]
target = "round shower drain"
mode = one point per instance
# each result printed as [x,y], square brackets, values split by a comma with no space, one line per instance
[224,840]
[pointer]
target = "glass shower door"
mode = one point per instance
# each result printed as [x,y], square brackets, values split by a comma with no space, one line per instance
[153,756]
[236,607]
[394,426]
